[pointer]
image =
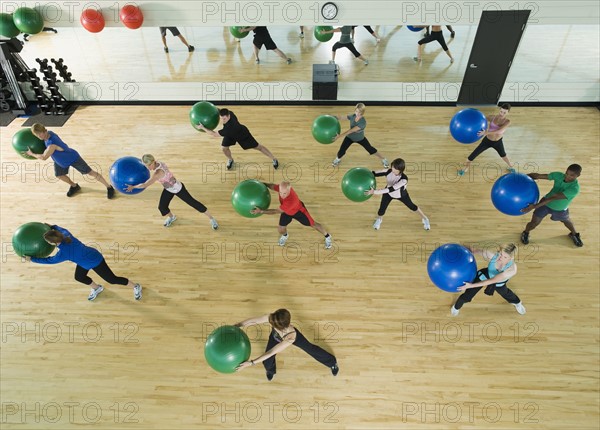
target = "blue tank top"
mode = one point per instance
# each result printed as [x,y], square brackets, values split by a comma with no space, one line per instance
[492,270]
[63,158]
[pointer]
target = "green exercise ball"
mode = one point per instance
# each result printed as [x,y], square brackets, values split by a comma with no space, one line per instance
[250,194]
[205,113]
[227,347]
[28,20]
[356,181]
[325,128]
[28,240]
[24,139]
[7,26]
[235,32]
[323,37]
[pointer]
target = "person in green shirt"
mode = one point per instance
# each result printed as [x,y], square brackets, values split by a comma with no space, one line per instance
[556,202]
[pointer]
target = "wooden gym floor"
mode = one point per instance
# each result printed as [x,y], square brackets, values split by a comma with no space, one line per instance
[405,362]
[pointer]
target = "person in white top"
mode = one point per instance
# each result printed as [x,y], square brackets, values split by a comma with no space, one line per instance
[172,188]
[397,182]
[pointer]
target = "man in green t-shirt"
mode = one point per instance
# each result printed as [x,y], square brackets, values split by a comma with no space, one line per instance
[556,202]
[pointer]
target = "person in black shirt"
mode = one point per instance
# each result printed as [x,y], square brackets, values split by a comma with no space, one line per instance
[262,37]
[233,132]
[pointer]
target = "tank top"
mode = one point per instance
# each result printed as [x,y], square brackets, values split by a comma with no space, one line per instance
[493,126]
[168,181]
[278,337]
[493,270]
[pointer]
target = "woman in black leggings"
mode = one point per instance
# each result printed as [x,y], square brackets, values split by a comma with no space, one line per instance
[370,30]
[172,188]
[283,334]
[86,258]
[436,34]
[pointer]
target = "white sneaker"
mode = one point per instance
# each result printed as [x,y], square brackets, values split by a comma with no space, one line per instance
[426,224]
[137,291]
[336,162]
[328,242]
[214,224]
[377,223]
[386,163]
[283,239]
[94,293]
[366,62]
[170,220]
[520,308]
[454,311]
[331,62]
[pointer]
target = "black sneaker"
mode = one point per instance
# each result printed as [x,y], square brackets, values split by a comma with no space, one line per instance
[335,369]
[229,164]
[191,48]
[270,375]
[73,190]
[452,34]
[525,237]
[110,192]
[166,50]
[576,239]
[275,164]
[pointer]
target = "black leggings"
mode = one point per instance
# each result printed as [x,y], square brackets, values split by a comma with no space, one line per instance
[183,194]
[350,46]
[301,342]
[487,144]
[499,288]
[435,35]
[347,142]
[102,269]
[386,199]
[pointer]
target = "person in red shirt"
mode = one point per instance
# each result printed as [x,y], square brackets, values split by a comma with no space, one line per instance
[291,207]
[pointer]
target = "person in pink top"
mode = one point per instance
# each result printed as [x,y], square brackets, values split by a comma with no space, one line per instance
[172,188]
[492,138]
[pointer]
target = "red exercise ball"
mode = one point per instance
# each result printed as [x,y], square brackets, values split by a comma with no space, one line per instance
[92,20]
[131,16]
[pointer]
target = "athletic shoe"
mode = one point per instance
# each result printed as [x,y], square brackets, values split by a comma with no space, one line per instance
[426,224]
[331,62]
[377,223]
[73,190]
[525,237]
[452,34]
[166,50]
[461,172]
[336,162]
[378,40]
[335,369]
[366,62]
[576,239]
[110,192]
[417,59]
[511,169]
[386,163]
[289,61]
[170,220]
[214,224]
[137,291]
[283,239]
[275,164]
[454,311]
[301,35]
[191,48]
[328,242]
[520,308]
[229,164]
[270,376]
[94,292]
[257,61]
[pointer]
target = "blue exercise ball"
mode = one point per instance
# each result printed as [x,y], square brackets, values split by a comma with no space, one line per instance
[128,171]
[450,266]
[465,125]
[413,28]
[513,192]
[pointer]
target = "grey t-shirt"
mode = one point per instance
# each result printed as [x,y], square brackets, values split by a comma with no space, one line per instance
[362,123]
[346,32]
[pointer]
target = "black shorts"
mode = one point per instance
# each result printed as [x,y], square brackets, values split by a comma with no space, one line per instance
[80,165]
[302,216]
[174,31]
[249,143]
[266,41]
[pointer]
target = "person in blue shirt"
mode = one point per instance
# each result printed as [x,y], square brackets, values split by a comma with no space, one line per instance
[501,268]
[65,157]
[86,258]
